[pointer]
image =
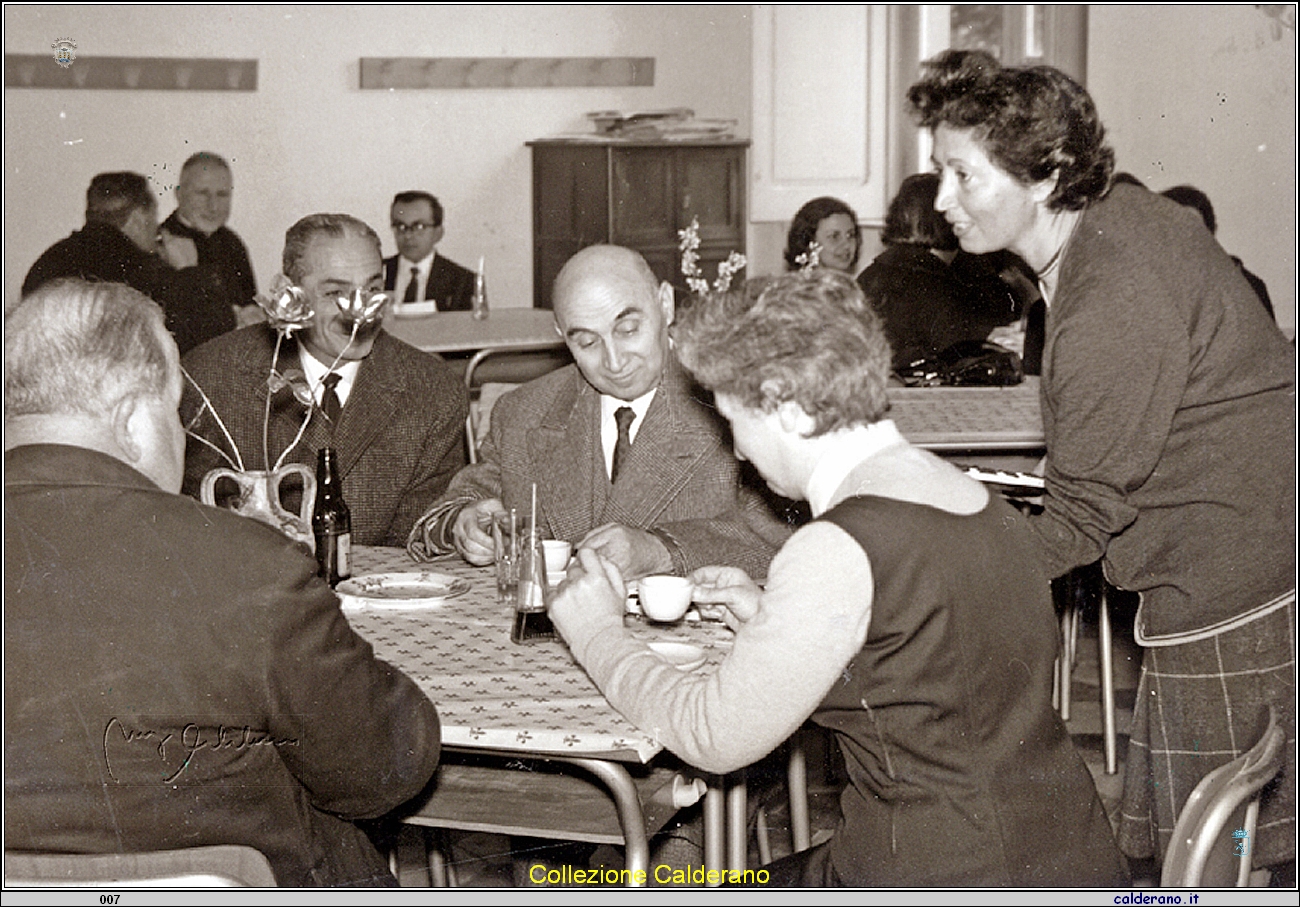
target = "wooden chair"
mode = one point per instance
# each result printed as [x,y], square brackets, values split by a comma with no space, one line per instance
[1206,851]
[218,866]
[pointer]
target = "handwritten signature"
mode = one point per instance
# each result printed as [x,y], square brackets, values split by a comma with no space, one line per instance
[191,739]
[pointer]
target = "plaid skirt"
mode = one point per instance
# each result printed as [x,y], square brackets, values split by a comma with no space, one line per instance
[1200,705]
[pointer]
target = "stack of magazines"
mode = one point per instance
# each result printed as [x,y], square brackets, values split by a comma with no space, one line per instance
[676,123]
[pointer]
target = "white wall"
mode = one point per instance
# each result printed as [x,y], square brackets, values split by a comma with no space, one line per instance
[310,140]
[1206,95]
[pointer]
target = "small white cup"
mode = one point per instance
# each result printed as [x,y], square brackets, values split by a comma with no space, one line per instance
[557,553]
[665,598]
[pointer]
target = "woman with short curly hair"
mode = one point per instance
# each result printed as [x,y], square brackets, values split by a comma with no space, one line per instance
[1169,411]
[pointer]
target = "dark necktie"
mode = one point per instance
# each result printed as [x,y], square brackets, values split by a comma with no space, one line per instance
[413,287]
[624,416]
[329,398]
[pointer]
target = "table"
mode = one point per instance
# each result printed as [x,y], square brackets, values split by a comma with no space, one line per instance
[517,330]
[994,429]
[970,418]
[494,696]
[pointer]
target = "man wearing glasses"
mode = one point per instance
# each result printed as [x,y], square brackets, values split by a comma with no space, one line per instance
[418,273]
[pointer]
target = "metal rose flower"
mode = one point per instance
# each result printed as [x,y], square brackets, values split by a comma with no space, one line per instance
[362,308]
[286,306]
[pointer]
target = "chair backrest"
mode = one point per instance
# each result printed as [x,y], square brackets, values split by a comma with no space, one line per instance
[218,866]
[1201,853]
[493,372]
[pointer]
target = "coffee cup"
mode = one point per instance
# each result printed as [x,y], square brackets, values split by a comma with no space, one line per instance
[557,553]
[664,598]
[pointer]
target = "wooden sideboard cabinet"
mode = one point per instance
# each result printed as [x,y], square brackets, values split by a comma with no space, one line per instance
[635,194]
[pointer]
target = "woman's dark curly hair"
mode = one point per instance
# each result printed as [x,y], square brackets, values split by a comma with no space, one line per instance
[809,337]
[803,229]
[1032,122]
[912,220]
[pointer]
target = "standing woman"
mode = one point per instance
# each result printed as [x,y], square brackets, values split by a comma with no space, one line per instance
[1168,403]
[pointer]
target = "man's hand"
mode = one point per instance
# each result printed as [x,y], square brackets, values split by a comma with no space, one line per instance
[593,587]
[729,586]
[634,552]
[178,251]
[472,533]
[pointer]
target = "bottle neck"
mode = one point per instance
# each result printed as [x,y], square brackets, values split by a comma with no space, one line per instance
[327,483]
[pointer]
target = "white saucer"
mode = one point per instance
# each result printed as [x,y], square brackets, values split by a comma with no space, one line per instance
[682,655]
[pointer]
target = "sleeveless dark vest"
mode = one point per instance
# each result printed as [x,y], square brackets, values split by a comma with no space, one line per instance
[960,772]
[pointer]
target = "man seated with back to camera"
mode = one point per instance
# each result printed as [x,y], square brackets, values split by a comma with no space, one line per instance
[400,429]
[175,676]
[676,500]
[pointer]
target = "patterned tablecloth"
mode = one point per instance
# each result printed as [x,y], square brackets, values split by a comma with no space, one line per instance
[491,693]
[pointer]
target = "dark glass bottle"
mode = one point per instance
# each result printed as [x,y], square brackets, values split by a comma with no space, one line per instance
[331,521]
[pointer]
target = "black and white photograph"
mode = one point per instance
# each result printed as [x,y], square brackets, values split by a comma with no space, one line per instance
[657,447]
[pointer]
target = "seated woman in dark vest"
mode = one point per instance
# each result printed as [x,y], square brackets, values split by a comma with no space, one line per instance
[910,618]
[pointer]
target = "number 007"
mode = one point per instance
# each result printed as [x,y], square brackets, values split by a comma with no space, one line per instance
[109,898]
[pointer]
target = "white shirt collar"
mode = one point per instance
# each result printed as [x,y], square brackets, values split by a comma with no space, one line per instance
[609,427]
[315,370]
[404,264]
[844,453]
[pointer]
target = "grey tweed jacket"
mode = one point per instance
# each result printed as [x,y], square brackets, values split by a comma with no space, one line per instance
[681,480]
[400,439]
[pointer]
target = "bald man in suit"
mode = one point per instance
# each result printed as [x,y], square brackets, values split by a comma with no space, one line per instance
[666,498]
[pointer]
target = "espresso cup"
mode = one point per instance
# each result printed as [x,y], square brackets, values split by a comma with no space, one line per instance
[557,553]
[665,598]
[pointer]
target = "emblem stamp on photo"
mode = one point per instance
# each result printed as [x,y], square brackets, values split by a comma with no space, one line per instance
[65,52]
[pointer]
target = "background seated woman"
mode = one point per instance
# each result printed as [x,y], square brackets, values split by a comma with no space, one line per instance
[910,618]
[833,226]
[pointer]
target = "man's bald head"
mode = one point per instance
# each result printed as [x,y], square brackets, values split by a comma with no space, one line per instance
[614,315]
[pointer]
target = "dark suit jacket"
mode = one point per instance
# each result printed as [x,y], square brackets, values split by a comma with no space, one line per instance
[224,252]
[681,481]
[400,439]
[176,676]
[189,297]
[449,284]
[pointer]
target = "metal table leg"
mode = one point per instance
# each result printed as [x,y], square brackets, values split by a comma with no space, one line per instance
[628,804]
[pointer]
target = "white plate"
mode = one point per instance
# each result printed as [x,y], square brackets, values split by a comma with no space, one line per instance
[682,655]
[421,589]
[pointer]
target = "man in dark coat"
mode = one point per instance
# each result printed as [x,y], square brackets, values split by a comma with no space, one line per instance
[120,242]
[202,209]
[175,676]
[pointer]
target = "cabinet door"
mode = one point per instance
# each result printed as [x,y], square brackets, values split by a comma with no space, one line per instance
[644,198]
[710,188]
[570,209]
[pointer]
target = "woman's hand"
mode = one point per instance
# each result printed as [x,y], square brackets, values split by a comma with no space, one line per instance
[728,586]
[592,588]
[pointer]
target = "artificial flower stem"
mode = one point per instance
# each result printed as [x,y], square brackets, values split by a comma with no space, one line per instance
[266,417]
[207,404]
[312,409]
